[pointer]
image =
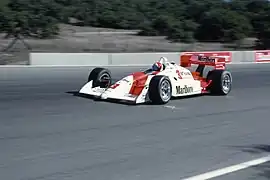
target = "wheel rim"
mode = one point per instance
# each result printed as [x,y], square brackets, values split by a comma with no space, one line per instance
[226,83]
[105,79]
[165,90]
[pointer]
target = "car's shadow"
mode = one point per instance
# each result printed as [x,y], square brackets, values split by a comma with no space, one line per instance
[123,102]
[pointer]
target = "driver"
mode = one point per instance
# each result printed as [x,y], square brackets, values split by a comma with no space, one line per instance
[160,65]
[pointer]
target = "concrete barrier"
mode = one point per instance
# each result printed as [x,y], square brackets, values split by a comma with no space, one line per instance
[140,58]
[118,59]
[58,59]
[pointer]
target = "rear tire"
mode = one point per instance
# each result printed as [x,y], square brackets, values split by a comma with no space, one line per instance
[160,90]
[100,77]
[221,82]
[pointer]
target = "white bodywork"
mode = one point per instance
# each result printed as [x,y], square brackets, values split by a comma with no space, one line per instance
[181,86]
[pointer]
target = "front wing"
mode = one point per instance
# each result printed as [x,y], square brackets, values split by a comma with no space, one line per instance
[113,94]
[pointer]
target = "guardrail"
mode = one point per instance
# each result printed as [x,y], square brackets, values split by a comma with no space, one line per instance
[129,59]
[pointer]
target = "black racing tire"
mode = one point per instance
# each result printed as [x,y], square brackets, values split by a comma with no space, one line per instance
[218,85]
[155,92]
[100,77]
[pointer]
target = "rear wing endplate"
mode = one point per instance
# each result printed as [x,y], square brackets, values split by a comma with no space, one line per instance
[186,60]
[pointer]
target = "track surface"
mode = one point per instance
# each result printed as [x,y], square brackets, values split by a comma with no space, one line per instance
[46,133]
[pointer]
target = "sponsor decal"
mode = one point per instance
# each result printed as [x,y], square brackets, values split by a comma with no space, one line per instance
[114,86]
[179,74]
[262,56]
[184,90]
[125,80]
[207,59]
[225,54]
[98,89]
[183,73]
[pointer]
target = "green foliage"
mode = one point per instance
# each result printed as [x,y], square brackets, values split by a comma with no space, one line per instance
[30,18]
[224,25]
[178,20]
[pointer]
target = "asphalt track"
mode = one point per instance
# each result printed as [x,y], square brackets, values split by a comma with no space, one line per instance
[47,133]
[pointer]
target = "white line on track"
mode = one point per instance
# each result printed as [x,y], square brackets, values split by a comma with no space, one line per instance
[230,169]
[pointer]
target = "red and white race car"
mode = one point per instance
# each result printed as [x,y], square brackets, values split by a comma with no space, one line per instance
[162,81]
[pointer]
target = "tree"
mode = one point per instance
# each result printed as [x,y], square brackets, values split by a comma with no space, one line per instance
[30,18]
[262,26]
[178,20]
[223,25]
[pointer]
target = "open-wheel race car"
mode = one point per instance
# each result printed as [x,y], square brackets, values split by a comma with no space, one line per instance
[162,81]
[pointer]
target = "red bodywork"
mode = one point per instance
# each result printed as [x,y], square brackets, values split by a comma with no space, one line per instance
[139,79]
[189,59]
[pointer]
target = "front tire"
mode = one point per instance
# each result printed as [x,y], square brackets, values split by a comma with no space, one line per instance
[100,77]
[221,82]
[160,90]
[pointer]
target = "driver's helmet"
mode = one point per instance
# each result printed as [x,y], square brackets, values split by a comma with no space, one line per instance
[157,66]
[160,65]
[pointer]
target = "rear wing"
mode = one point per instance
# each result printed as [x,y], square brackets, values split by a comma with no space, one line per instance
[186,60]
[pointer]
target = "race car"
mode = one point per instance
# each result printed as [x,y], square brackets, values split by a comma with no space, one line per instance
[162,81]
